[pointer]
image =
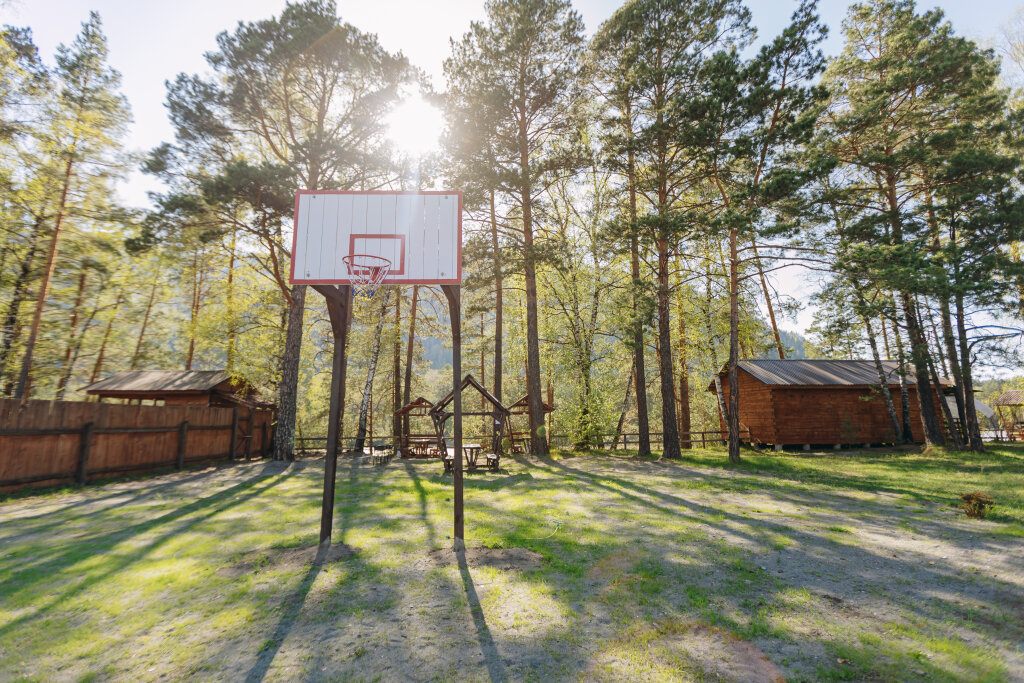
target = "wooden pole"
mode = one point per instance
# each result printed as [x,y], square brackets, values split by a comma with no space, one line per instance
[252,434]
[83,453]
[339,307]
[453,294]
[263,440]
[182,444]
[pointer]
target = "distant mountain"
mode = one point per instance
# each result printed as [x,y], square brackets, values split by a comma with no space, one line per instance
[794,344]
[435,351]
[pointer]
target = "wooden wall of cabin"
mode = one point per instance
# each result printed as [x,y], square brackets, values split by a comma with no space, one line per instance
[757,408]
[838,415]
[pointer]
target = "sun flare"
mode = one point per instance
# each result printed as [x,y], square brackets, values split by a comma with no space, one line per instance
[415,126]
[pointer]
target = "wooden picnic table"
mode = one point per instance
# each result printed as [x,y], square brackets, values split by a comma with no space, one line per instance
[471,451]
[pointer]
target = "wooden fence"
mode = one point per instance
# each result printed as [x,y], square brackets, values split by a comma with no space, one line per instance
[50,442]
[626,441]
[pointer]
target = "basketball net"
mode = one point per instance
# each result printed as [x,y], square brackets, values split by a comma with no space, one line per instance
[366,272]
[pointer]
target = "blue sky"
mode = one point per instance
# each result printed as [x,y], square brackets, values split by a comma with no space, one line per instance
[153,40]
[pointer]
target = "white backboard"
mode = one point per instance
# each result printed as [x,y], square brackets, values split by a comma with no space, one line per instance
[419,232]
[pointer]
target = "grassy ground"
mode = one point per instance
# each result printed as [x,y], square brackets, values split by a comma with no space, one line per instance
[812,566]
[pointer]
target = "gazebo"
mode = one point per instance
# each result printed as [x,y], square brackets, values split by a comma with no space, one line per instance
[415,445]
[498,413]
[520,440]
[1010,407]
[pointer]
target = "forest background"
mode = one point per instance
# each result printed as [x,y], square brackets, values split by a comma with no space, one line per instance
[636,195]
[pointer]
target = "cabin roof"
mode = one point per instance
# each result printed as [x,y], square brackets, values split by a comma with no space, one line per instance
[160,381]
[820,372]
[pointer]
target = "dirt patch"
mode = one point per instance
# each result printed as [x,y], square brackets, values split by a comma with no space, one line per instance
[611,566]
[703,650]
[286,558]
[509,559]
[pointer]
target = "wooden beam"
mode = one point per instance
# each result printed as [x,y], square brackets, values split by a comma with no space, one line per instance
[83,454]
[339,308]
[454,295]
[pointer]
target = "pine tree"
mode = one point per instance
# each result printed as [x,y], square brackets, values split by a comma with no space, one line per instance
[520,74]
[87,118]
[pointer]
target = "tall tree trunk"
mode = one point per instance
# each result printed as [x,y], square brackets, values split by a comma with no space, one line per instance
[232,326]
[670,434]
[73,360]
[538,442]
[137,354]
[919,358]
[625,408]
[396,372]
[97,367]
[966,371]
[734,346]
[287,389]
[639,371]
[19,293]
[498,331]
[768,302]
[883,381]
[24,387]
[364,405]
[407,384]
[65,375]
[683,401]
[954,365]
[901,354]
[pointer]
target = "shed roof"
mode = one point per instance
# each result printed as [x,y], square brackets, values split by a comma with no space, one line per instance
[805,372]
[160,381]
[1013,397]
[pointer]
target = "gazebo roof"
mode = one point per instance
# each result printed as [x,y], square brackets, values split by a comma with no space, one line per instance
[521,406]
[419,404]
[468,381]
[1013,397]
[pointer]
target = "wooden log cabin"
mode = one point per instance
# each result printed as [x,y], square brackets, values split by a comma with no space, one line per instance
[818,402]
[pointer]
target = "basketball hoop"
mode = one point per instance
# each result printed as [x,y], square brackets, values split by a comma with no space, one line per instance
[366,272]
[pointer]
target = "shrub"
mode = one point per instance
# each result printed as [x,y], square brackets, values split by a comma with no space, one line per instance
[976,505]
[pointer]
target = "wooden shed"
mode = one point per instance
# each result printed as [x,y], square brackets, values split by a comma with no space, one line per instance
[214,388]
[818,402]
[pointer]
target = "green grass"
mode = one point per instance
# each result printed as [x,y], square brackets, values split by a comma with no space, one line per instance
[644,566]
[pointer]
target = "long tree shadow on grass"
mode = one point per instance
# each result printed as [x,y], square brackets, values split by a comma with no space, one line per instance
[293,604]
[72,555]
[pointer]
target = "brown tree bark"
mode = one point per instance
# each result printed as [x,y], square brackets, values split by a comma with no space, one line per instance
[137,354]
[684,372]
[670,437]
[287,390]
[24,383]
[65,375]
[734,345]
[97,367]
[883,381]
[499,287]
[538,442]
[364,405]
[19,293]
[768,301]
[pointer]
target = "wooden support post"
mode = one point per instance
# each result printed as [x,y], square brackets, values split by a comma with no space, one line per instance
[453,294]
[252,434]
[339,308]
[263,440]
[234,433]
[182,444]
[81,475]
